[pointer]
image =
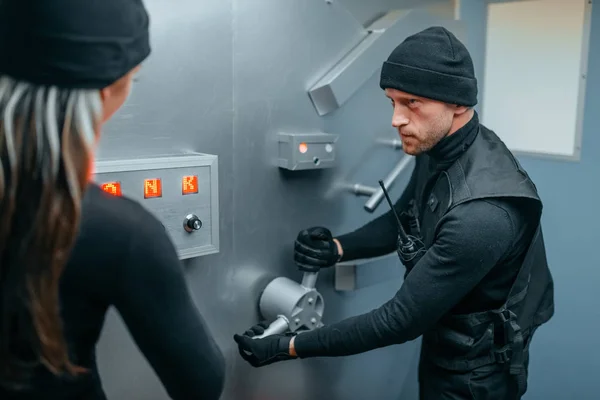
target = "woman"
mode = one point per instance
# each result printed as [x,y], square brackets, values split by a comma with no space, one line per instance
[68,250]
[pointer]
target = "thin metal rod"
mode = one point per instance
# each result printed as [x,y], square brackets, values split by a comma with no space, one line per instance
[363,190]
[395,143]
[360,190]
[389,180]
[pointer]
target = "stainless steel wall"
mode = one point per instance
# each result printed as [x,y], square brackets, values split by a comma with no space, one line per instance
[224,77]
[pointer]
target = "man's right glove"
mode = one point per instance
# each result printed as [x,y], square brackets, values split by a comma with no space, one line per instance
[265,351]
[315,249]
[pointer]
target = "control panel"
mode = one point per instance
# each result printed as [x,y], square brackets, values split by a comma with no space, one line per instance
[300,151]
[182,191]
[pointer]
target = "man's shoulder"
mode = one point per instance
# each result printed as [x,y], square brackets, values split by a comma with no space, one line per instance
[507,218]
[487,170]
[498,215]
[474,229]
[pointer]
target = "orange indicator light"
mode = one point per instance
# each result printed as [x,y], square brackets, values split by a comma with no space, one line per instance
[303,148]
[113,188]
[152,188]
[189,184]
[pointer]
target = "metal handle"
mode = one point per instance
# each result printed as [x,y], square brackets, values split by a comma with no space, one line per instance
[280,325]
[358,189]
[389,180]
[395,143]
[309,280]
[376,193]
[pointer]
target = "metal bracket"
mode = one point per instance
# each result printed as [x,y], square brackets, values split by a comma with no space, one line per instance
[292,306]
[345,277]
[355,68]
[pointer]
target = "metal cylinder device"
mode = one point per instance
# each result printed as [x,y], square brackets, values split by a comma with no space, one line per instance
[291,305]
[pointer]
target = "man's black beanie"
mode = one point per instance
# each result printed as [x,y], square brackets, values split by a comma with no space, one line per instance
[75,44]
[433,64]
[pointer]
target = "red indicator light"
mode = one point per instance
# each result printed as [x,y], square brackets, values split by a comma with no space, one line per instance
[152,188]
[113,188]
[189,184]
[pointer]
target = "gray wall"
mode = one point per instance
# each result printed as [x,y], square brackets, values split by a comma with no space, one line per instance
[223,78]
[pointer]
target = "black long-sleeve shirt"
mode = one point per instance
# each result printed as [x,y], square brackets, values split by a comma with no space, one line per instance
[470,267]
[124,258]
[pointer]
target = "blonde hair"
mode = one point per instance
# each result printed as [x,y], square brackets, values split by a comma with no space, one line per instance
[47,137]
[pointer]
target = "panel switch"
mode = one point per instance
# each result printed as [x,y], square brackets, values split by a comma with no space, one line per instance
[178,189]
[192,223]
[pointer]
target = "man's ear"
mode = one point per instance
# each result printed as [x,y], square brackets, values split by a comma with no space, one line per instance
[459,110]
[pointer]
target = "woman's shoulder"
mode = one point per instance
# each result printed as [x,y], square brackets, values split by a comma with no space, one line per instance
[106,213]
[113,234]
[111,225]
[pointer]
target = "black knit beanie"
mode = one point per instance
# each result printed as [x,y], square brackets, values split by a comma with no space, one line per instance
[433,64]
[86,44]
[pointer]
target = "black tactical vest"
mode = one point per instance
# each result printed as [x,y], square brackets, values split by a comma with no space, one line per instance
[487,169]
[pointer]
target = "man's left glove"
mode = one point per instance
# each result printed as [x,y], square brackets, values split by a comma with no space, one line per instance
[265,351]
[315,248]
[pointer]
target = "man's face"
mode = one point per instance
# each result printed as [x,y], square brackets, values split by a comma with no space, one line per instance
[421,122]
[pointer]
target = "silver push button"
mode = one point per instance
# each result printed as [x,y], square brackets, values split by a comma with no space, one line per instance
[192,223]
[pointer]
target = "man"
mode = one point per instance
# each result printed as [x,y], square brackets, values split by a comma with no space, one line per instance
[481,285]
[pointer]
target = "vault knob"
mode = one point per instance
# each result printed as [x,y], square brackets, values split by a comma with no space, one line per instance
[192,223]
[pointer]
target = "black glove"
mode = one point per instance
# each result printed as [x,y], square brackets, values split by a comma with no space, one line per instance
[315,249]
[261,352]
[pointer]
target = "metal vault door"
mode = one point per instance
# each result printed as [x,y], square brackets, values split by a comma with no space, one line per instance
[225,78]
